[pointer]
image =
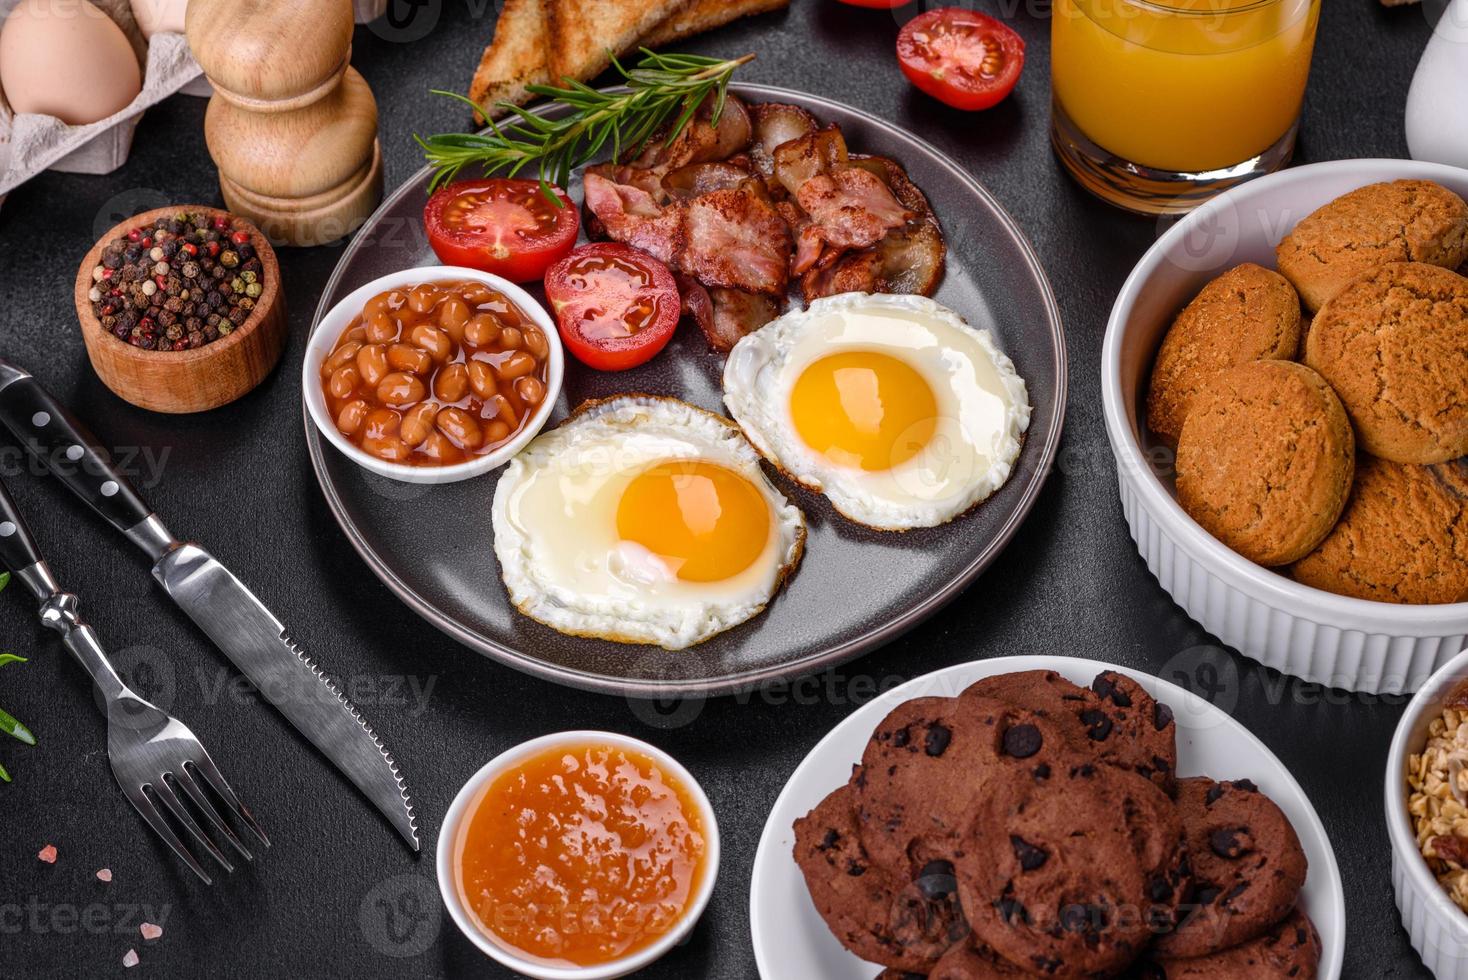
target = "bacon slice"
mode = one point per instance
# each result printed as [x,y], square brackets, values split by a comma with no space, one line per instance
[630,214]
[736,240]
[848,209]
[724,315]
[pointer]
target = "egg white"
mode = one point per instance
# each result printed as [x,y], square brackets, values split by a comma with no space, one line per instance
[556,539]
[982,403]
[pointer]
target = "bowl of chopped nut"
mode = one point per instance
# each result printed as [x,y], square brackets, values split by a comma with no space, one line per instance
[181,308]
[1427,820]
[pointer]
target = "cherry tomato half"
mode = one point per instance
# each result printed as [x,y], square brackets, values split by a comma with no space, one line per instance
[967,59]
[502,226]
[616,306]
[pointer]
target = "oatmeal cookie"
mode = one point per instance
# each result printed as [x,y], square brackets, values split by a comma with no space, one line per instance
[1400,221]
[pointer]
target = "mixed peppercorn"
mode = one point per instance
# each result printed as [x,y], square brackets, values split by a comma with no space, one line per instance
[180,283]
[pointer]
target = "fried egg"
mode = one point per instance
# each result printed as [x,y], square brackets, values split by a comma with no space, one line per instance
[643,520]
[902,414]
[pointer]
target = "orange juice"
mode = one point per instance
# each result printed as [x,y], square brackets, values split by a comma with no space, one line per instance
[1182,85]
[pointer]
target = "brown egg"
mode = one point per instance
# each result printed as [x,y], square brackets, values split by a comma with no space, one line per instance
[67,60]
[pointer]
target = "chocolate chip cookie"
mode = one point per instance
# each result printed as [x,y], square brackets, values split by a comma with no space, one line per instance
[1115,719]
[901,921]
[1246,862]
[1071,875]
[1400,221]
[1403,537]
[928,763]
[1247,314]
[967,961]
[1265,460]
[1289,951]
[1394,346]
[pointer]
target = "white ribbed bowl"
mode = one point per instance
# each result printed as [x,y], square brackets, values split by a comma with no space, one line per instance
[1437,928]
[1347,643]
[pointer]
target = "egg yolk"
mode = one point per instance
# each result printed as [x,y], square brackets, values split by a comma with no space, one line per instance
[707,522]
[864,409]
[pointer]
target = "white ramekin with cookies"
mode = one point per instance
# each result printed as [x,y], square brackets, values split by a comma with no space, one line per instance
[1283,379]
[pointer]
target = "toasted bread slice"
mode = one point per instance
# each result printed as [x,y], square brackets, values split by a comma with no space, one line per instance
[515,58]
[705,15]
[583,31]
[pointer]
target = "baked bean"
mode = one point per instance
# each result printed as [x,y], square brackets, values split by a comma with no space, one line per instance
[437,447]
[481,379]
[535,342]
[530,389]
[453,313]
[511,338]
[382,303]
[400,389]
[381,329]
[475,293]
[495,432]
[372,363]
[405,357]
[356,335]
[517,365]
[344,381]
[503,411]
[380,436]
[423,298]
[351,417]
[418,423]
[461,427]
[481,330]
[433,340]
[452,383]
[342,355]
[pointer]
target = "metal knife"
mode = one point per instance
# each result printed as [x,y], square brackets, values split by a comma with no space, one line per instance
[228,612]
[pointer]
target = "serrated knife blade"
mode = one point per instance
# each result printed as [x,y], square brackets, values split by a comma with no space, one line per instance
[257,643]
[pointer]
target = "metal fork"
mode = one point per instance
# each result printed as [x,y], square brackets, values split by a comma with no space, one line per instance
[154,755]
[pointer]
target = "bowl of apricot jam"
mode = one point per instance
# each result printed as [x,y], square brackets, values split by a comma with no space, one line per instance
[578,856]
[433,375]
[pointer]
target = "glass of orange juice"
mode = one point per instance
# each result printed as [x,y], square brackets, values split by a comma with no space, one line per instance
[1159,104]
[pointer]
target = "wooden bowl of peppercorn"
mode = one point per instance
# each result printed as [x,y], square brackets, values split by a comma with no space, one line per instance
[181,308]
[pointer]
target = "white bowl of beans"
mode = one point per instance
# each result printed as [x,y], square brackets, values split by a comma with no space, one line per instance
[434,374]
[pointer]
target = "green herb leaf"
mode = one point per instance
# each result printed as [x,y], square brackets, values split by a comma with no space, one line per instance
[4,580]
[660,87]
[10,658]
[5,776]
[10,726]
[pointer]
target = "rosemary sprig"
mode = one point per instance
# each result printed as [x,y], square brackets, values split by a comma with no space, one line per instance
[661,87]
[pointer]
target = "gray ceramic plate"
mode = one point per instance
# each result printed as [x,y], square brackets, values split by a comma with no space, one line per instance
[855,589]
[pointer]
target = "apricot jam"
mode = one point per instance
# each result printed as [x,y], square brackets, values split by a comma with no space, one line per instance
[581,854]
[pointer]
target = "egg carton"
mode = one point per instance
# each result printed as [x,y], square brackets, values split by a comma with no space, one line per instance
[31,143]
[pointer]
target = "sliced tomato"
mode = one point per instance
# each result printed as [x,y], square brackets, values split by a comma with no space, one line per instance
[616,306]
[964,58]
[502,226]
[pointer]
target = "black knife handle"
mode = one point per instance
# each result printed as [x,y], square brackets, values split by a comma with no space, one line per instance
[65,447]
[17,548]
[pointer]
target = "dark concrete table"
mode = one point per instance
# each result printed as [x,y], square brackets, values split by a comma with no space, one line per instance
[337,894]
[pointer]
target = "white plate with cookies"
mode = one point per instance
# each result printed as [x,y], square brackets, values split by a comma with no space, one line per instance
[1369,597]
[791,940]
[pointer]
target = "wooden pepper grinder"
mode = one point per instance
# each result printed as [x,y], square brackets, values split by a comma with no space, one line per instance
[292,126]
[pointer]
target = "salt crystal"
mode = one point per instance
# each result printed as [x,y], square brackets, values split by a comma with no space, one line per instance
[104,874]
[48,854]
[150,931]
[130,959]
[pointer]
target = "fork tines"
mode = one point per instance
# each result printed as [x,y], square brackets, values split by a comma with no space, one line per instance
[188,777]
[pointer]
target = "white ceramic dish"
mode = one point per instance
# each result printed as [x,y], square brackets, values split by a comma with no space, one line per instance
[791,942]
[1437,928]
[330,327]
[1335,640]
[480,781]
